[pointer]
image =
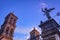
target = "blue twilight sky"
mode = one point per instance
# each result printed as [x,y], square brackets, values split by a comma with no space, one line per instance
[29,14]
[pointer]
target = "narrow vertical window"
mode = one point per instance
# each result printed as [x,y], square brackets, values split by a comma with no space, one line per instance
[11,32]
[7,30]
[11,21]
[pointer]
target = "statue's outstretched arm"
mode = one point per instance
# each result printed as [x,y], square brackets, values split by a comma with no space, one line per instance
[51,9]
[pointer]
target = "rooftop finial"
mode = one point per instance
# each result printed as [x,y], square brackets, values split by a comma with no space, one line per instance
[41,22]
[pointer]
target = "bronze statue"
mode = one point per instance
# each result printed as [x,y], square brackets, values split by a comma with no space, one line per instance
[46,11]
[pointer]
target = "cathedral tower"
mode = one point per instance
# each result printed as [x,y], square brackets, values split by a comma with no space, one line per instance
[8,27]
[34,35]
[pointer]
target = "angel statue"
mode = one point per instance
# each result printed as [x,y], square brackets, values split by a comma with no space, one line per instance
[46,11]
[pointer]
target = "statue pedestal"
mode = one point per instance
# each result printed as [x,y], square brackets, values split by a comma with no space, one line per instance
[50,30]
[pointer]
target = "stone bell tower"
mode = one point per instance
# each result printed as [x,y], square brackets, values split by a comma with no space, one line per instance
[34,35]
[8,27]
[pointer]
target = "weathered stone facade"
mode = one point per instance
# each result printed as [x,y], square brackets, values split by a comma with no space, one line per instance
[8,27]
[50,30]
[33,35]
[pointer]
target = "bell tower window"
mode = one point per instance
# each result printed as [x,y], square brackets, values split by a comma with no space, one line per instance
[11,21]
[11,32]
[7,30]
